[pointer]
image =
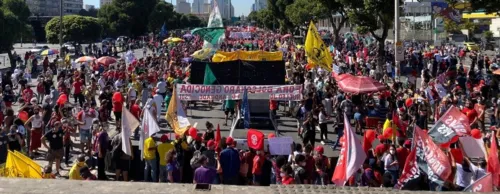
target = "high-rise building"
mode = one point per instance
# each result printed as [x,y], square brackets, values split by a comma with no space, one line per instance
[200,7]
[260,4]
[52,7]
[183,7]
[226,8]
[104,2]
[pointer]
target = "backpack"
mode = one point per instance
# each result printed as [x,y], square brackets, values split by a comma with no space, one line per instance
[196,158]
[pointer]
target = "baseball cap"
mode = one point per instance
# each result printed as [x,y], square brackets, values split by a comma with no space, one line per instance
[210,143]
[229,141]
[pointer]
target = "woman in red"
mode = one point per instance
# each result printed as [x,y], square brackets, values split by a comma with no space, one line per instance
[287,175]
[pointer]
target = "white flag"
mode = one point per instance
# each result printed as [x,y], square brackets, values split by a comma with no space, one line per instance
[149,127]
[129,124]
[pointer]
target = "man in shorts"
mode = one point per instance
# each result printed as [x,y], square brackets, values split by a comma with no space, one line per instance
[55,147]
[229,108]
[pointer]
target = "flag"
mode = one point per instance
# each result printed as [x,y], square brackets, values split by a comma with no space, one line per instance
[351,156]
[35,170]
[129,124]
[452,123]
[245,110]
[203,53]
[482,185]
[209,76]
[176,117]
[210,34]
[214,21]
[410,177]
[163,31]
[149,127]
[398,123]
[388,125]
[316,50]
[493,165]
[368,139]
[255,139]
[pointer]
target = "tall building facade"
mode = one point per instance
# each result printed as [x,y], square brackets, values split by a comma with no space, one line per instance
[182,7]
[200,7]
[104,2]
[52,7]
[226,8]
[260,4]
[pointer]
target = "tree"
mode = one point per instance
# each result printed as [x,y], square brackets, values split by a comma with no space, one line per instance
[278,9]
[80,29]
[138,12]
[194,21]
[116,22]
[264,18]
[92,12]
[301,12]
[13,21]
[370,16]
[334,7]
[161,13]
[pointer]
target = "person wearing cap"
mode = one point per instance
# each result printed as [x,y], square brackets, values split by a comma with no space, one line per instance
[230,163]
[210,154]
[163,149]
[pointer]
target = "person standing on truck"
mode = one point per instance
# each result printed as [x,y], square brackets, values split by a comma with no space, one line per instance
[229,108]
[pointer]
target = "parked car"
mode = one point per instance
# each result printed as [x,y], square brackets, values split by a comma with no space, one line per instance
[70,46]
[38,49]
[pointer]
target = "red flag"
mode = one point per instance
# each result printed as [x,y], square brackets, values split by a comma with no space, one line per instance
[351,156]
[217,135]
[411,171]
[493,163]
[255,139]
[368,139]
[399,123]
[484,184]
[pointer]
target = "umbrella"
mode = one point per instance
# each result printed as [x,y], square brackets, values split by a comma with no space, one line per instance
[360,84]
[175,40]
[84,59]
[187,36]
[49,52]
[286,36]
[106,60]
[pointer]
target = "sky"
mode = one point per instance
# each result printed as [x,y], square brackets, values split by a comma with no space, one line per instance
[241,7]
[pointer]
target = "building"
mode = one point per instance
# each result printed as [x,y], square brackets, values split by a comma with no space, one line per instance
[226,8]
[260,4]
[87,7]
[104,2]
[182,7]
[200,7]
[253,7]
[52,7]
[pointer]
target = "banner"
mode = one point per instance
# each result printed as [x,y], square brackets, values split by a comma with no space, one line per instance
[240,35]
[452,123]
[430,158]
[235,92]
[482,185]
[442,9]
[241,72]
[221,56]
[280,146]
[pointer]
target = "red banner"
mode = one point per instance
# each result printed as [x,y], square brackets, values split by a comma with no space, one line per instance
[484,184]
[255,139]
[435,159]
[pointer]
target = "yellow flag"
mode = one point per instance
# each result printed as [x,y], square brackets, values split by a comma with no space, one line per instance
[389,125]
[316,50]
[202,53]
[176,117]
[35,170]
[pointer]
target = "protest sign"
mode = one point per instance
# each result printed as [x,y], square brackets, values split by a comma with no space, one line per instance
[235,92]
[280,145]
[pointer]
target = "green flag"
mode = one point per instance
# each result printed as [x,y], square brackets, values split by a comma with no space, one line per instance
[211,35]
[209,76]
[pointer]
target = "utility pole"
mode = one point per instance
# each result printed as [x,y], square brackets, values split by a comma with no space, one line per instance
[398,49]
[61,27]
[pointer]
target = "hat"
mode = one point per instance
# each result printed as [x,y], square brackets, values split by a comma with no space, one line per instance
[164,138]
[229,141]
[407,143]
[319,149]
[211,143]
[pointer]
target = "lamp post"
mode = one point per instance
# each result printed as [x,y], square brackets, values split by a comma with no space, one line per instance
[61,27]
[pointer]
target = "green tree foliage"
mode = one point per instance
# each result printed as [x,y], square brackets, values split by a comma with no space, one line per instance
[301,12]
[264,18]
[81,29]
[13,24]
[161,13]
[92,12]
[453,27]
[127,17]
[278,10]
[333,8]
[116,22]
[194,21]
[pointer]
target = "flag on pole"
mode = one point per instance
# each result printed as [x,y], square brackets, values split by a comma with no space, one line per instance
[245,110]
[129,124]
[316,50]
[493,166]
[149,127]
[176,117]
[351,156]
[209,77]
[217,135]
[482,185]
[163,31]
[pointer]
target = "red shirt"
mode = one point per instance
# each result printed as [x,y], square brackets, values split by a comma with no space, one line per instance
[258,161]
[117,106]
[135,110]
[287,180]
[27,94]
[402,155]
[470,113]
[78,87]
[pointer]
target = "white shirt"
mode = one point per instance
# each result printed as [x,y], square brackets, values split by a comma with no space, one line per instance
[292,157]
[463,178]
[101,83]
[162,86]
[322,118]
[387,161]
[158,101]
[118,84]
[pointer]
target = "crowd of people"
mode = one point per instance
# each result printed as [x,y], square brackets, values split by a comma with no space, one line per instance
[87,98]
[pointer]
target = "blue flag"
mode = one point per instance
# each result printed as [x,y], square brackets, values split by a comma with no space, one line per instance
[163,31]
[245,110]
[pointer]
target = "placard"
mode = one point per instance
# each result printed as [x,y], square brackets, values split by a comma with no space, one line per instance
[280,145]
